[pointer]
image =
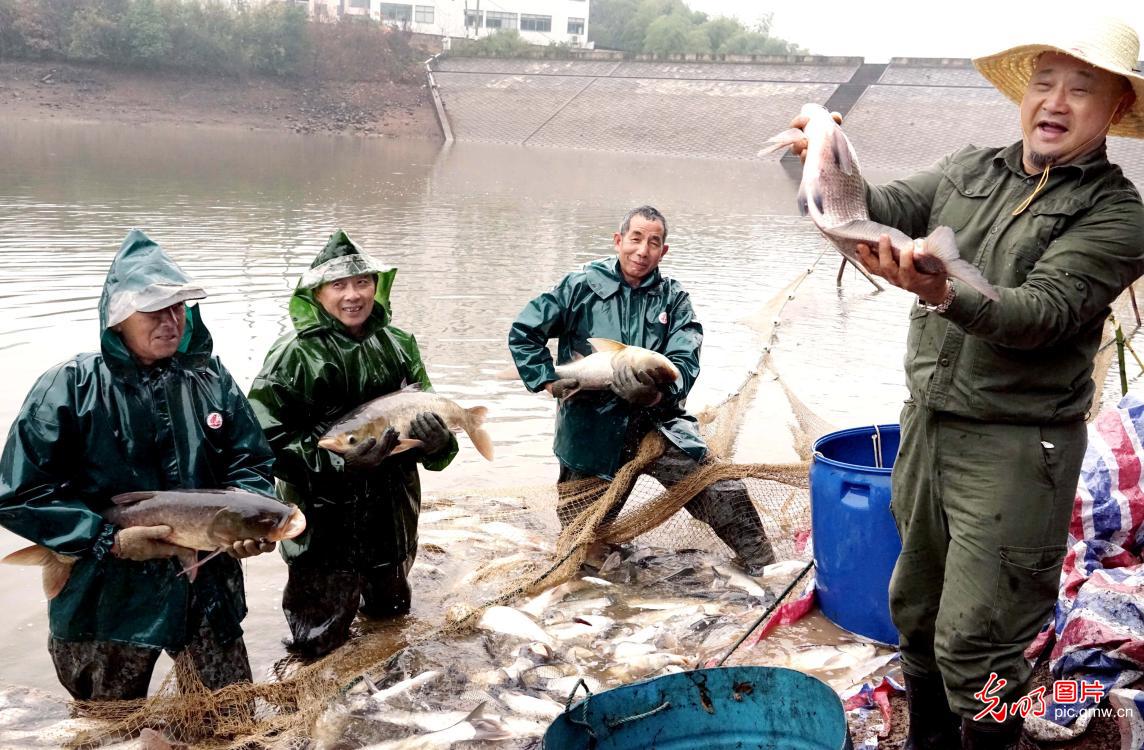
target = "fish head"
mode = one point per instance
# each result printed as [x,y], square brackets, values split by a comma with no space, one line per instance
[644,361]
[290,527]
[342,439]
[828,148]
[270,521]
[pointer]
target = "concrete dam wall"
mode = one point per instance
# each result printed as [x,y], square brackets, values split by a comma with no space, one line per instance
[901,117]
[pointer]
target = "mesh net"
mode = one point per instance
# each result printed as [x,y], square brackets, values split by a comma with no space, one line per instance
[489,548]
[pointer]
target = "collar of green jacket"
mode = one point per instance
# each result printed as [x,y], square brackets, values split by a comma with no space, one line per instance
[141,263]
[308,314]
[605,277]
[1013,157]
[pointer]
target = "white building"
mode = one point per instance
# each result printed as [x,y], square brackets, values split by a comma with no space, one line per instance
[538,21]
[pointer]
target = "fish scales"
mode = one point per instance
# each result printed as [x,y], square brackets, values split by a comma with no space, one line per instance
[833,193]
[397,410]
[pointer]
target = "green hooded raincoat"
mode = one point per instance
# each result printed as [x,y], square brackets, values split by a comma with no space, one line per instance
[311,378]
[99,425]
[595,301]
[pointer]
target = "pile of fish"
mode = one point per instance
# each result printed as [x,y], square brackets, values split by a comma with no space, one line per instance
[634,613]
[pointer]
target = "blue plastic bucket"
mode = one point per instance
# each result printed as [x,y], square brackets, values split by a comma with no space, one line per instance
[855,540]
[747,708]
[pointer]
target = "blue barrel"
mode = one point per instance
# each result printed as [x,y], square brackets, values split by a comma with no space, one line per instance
[855,540]
[747,708]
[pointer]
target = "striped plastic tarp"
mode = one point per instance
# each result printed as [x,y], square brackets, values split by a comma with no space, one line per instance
[1098,627]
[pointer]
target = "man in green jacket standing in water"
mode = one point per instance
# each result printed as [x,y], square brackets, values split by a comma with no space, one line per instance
[362,508]
[152,411]
[625,298]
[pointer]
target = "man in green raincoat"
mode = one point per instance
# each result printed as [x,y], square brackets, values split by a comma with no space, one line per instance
[625,298]
[152,411]
[361,508]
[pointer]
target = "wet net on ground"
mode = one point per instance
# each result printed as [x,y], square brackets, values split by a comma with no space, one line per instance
[509,556]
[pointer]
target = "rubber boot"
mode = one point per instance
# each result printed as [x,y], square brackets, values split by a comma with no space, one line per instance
[933,726]
[749,542]
[989,735]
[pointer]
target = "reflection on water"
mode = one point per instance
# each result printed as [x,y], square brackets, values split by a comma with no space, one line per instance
[476,231]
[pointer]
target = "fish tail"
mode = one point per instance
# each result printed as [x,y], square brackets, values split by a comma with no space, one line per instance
[486,727]
[56,567]
[783,140]
[474,418]
[943,245]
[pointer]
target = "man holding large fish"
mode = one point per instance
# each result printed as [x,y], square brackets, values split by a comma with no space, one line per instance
[354,474]
[628,355]
[1047,233]
[120,466]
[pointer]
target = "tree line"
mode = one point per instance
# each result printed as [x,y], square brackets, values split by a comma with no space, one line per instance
[669,27]
[203,36]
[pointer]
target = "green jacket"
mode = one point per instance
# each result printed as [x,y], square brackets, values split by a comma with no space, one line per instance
[312,377]
[592,428]
[99,425]
[1026,358]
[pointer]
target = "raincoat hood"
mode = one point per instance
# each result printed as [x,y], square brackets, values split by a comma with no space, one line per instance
[339,259]
[143,278]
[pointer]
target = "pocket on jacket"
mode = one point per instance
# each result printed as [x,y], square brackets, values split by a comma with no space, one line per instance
[1028,581]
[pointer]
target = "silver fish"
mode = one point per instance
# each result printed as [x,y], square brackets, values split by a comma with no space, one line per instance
[833,194]
[476,726]
[381,696]
[397,410]
[208,520]
[595,372]
[514,623]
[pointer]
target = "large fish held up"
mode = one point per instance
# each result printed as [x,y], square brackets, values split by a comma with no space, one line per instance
[206,520]
[397,410]
[833,194]
[596,371]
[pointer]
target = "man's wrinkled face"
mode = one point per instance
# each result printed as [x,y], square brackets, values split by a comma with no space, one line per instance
[1067,109]
[350,300]
[641,249]
[154,336]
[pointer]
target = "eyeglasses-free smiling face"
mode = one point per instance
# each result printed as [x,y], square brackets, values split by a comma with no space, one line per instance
[640,249]
[350,300]
[1067,109]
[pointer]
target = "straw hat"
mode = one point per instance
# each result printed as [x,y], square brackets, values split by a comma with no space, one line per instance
[1107,44]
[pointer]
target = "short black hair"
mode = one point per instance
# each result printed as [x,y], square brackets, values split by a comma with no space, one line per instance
[650,213]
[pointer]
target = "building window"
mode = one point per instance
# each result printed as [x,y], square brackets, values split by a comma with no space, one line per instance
[472,19]
[423,13]
[535,23]
[497,20]
[396,12]
[575,25]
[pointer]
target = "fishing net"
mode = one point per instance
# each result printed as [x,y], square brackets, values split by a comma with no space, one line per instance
[513,548]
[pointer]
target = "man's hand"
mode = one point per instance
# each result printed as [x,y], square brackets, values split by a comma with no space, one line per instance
[140,543]
[244,548]
[368,454]
[931,287]
[635,388]
[562,388]
[431,430]
[799,148]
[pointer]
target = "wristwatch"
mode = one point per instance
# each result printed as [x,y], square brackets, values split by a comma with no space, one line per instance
[950,293]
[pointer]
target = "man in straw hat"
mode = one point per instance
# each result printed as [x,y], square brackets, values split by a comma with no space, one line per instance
[153,410]
[993,433]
